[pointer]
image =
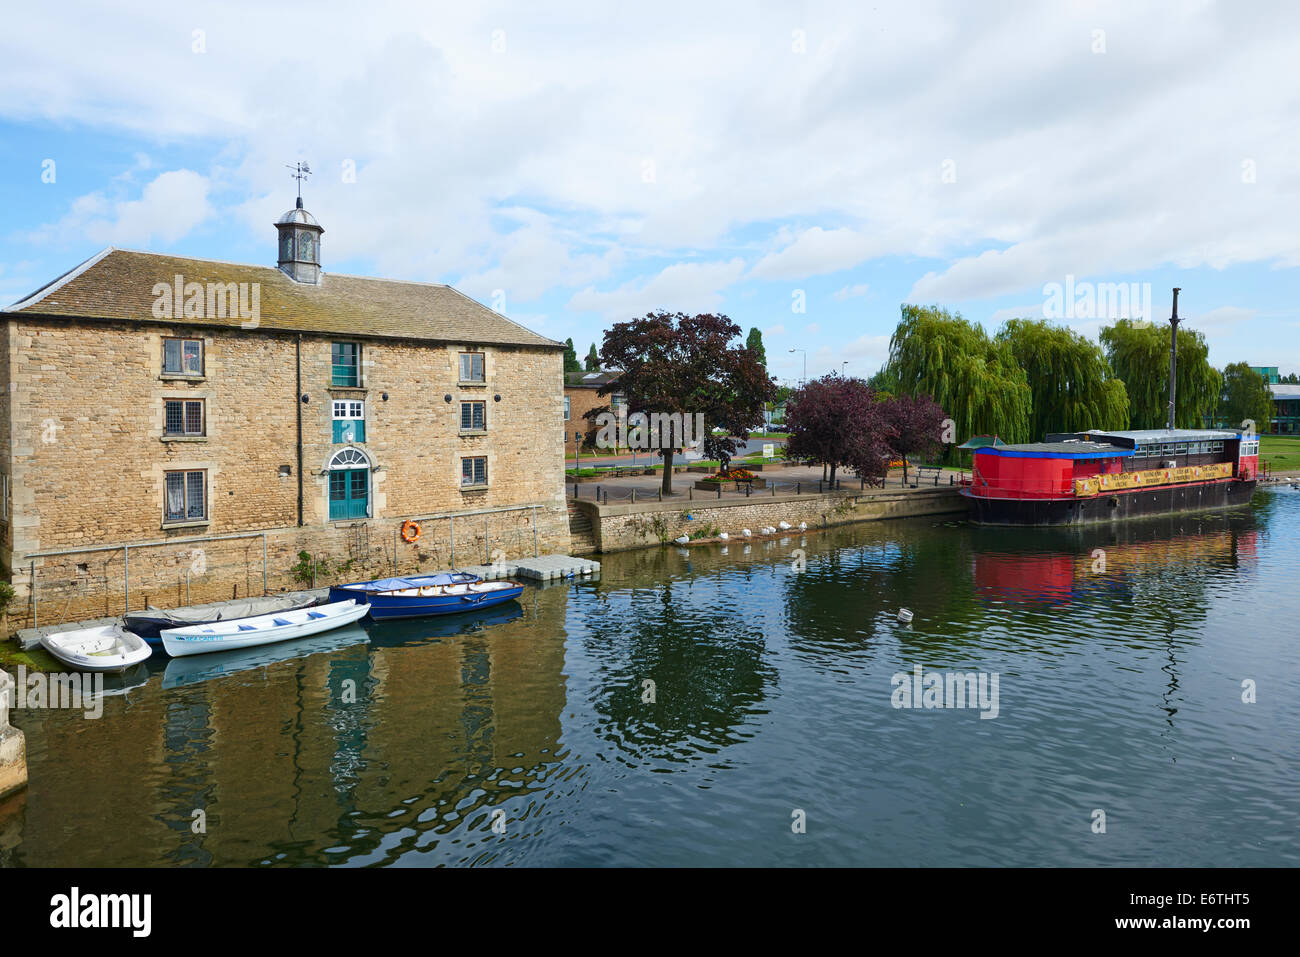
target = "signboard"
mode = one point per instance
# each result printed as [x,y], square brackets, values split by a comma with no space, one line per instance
[1113,481]
[769,450]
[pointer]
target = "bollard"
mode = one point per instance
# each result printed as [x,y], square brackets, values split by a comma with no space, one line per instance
[13,746]
[719,490]
[661,493]
[633,496]
[798,488]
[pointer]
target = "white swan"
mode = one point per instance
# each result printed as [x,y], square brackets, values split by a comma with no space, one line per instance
[746,532]
[683,540]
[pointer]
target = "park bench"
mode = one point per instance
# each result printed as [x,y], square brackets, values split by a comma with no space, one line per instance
[924,471]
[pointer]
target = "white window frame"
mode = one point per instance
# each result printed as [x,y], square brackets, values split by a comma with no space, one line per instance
[349,409]
[567,408]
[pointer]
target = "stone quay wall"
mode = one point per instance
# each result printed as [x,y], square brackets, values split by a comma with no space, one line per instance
[625,526]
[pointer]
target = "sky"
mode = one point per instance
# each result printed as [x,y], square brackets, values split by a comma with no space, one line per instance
[802,167]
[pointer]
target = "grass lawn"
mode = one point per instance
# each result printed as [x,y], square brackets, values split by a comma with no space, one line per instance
[1281,452]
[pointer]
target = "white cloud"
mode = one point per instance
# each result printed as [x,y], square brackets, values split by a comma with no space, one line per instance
[851,292]
[169,207]
[1060,163]
[685,287]
[776,330]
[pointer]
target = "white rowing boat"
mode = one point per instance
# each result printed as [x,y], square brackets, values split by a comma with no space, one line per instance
[261,630]
[106,648]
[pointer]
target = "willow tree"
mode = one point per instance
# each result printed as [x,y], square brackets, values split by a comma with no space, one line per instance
[1138,353]
[973,377]
[1072,385]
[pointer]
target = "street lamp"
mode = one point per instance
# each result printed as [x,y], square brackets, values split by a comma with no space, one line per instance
[805,363]
[844,367]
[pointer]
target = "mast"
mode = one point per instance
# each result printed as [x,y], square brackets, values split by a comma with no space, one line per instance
[1173,358]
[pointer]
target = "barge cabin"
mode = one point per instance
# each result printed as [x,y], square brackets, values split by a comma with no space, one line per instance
[1084,477]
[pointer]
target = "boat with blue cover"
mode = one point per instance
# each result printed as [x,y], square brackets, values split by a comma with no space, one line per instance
[421,596]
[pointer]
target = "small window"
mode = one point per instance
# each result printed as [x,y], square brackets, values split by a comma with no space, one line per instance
[346,364]
[184,417]
[617,402]
[186,497]
[473,416]
[349,420]
[183,356]
[566,408]
[473,471]
[471,367]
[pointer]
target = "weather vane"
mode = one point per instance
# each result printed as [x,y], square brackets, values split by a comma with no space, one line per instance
[300,172]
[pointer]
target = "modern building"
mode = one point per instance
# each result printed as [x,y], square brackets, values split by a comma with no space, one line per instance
[1286,409]
[176,428]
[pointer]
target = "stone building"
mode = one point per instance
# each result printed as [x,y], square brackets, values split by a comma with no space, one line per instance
[176,428]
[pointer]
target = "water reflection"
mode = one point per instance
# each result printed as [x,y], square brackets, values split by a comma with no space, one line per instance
[769,669]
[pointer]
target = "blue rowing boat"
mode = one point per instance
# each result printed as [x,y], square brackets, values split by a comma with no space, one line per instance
[421,596]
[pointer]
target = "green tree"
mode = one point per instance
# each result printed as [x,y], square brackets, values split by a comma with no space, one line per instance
[1246,395]
[755,342]
[593,359]
[1070,381]
[571,364]
[1138,353]
[974,378]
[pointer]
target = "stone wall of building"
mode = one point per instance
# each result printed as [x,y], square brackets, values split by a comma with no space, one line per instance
[88,456]
[618,527]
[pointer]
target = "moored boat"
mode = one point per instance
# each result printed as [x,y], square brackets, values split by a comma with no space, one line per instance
[148,624]
[108,648]
[261,630]
[421,596]
[1086,477]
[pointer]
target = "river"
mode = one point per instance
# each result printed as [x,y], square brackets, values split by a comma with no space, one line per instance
[736,705]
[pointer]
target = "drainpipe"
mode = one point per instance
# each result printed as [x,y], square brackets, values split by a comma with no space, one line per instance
[297,400]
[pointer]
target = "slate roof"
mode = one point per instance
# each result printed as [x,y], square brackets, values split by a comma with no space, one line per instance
[118,284]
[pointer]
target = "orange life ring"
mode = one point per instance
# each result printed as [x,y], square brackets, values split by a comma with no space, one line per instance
[410,531]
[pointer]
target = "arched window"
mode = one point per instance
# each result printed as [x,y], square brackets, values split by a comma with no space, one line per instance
[349,478]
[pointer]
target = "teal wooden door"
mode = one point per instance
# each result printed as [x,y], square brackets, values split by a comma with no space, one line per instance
[349,497]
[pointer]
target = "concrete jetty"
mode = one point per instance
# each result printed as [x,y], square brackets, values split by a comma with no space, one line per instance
[13,746]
